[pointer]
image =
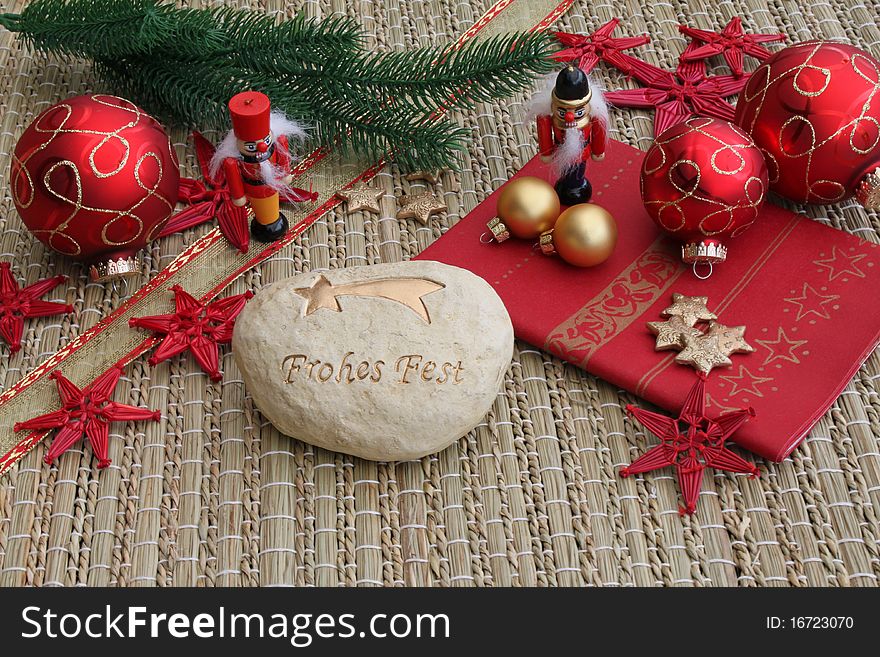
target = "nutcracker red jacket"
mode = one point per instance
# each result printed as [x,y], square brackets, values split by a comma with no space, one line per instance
[244,178]
[549,137]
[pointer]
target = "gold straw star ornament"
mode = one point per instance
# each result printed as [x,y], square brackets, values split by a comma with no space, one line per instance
[432,177]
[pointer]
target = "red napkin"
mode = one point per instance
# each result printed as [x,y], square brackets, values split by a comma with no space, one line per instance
[808,295]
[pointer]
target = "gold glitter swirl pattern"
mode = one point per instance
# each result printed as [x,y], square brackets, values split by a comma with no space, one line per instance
[672,214]
[59,237]
[804,183]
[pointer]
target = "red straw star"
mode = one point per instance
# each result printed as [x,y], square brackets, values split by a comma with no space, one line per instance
[731,42]
[207,202]
[17,304]
[195,326]
[590,49]
[214,200]
[85,412]
[692,442]
[677,96]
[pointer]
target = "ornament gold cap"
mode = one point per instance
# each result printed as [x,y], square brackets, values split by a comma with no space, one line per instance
[708,251]
[498,229]
[545,243]
[111,269]
[868,192]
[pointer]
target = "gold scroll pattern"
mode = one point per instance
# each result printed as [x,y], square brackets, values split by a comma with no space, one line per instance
[623,301]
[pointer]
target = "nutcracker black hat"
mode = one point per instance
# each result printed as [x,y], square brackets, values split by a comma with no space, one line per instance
[572,84]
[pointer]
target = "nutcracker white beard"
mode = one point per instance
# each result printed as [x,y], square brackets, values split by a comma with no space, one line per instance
[275,177]
[570,152]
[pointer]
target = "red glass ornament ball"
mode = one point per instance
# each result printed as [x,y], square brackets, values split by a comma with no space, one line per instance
[703,181]
[94,177]
[814,110]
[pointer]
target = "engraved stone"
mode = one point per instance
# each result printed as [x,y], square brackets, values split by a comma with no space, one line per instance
[386,362]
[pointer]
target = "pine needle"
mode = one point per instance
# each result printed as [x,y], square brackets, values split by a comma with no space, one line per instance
[184,64]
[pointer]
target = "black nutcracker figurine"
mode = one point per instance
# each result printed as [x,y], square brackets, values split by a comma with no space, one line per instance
[573,132]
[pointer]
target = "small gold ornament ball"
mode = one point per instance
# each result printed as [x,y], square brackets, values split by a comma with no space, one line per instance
[585,235]
[528,206]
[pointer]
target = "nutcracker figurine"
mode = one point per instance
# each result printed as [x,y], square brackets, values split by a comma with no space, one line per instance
[256,159]
[573,132]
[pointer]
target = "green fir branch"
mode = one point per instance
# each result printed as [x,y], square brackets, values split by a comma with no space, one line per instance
[96,28]
[174,93]
[252,37]
[426,78]
[109,29]
[390,131]
[184,64]
[198,95]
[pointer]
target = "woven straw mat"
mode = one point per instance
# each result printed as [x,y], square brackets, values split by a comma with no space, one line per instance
[213,495]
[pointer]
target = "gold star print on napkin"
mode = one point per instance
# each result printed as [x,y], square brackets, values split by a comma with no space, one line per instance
[362,196]
[420,206]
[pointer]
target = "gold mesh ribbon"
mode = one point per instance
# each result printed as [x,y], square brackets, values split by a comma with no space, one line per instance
[210,264]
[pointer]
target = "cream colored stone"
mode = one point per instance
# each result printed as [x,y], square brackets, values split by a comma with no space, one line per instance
[382,379]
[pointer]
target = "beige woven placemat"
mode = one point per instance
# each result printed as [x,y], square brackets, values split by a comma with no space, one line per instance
[213,495]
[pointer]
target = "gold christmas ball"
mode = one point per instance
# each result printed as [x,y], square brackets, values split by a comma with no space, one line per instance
[528,206]
[585,235]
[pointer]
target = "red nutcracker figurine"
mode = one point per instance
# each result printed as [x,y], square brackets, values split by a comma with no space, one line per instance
[573,132]
[255,157]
